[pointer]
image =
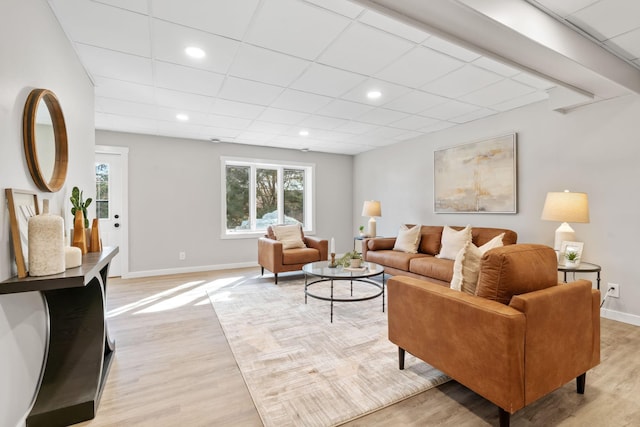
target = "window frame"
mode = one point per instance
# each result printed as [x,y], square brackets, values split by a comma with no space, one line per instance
[279,165]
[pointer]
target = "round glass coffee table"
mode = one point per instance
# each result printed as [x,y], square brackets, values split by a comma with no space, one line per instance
[319,272]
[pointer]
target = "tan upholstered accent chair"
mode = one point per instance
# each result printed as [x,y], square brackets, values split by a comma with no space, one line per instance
[525,337]
[274,258]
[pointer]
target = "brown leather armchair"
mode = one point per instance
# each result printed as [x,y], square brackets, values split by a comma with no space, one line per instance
[274,258]
[524,338]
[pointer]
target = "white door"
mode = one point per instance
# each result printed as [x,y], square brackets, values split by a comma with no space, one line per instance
[111,203]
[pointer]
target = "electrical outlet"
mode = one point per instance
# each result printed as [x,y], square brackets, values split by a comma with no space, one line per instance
[182,256]
[614,290]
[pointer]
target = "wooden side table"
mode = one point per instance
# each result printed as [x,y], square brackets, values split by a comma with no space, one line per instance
[583,267]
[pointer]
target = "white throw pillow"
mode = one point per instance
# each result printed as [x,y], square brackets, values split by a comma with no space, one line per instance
[289,235]
[496,242]
[408,239]
[466,269]
[452,241]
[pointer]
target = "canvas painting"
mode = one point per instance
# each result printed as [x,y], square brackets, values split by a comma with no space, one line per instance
[479,177]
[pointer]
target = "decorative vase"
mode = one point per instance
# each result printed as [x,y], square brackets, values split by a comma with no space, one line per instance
[96,242]
[46,243]
[571,263]
[79,234]
[355,262]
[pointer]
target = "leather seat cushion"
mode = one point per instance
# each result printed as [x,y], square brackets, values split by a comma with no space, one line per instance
[300,256]
[393,259]
[437,268]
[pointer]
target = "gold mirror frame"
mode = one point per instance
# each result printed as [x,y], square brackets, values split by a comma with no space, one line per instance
[60,159]
[22,205]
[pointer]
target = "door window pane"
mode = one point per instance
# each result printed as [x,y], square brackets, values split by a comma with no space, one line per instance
[238,198]
[102,190]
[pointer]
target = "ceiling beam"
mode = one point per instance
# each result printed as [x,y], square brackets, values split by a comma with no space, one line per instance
[518,34]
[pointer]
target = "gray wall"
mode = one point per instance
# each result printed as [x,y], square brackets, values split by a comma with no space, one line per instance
[35,54]
[175,195]
[593,149]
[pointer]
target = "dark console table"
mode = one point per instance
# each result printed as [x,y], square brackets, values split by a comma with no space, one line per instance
[79,349]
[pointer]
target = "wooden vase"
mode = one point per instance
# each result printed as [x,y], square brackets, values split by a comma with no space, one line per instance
[79,236]
[96,242]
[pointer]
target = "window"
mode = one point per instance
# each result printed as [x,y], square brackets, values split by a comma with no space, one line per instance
[257,194]
[102,190]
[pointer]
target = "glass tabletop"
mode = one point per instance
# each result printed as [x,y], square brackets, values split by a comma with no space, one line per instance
[322,269]
[586,267]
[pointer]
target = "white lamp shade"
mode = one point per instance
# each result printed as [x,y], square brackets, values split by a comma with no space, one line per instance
[566,207]
[371,208]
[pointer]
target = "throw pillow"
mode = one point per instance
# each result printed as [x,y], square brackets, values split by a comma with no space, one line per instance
[408,239]
[289,236]
[453,241]
[496,242]
[466,269]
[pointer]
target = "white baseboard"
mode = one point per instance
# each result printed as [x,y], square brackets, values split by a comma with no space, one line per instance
[182,270]
[631,319]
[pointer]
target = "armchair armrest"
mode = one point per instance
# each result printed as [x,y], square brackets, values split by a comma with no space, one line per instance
[270,254]
[562,335]
[478,342]
[318,243]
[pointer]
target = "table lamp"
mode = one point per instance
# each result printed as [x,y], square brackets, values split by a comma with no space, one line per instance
[565,207]
[372,209]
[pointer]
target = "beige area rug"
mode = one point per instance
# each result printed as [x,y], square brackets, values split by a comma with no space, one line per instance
[303,370]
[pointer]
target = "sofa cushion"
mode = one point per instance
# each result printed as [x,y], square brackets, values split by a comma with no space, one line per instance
[394,259]
[300,256]
[466,268]
[381,243]
[430,237]
[481,235]
[430,266]
[289,235]
[408,239]
[453,241]
[496,242]
[516,269]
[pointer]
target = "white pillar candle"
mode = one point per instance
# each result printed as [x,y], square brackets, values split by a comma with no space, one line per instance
[72,257]
[333,246]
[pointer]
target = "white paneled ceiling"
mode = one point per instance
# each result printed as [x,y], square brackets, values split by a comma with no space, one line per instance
[275,67]
[615,24]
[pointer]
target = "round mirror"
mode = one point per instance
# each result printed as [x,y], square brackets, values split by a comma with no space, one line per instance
[45,140]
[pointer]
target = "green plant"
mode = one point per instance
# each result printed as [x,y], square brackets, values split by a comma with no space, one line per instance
[571,256]
[347,257]
[78,203]
[361,228]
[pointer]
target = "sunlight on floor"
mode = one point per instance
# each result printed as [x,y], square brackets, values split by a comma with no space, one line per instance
[189,293]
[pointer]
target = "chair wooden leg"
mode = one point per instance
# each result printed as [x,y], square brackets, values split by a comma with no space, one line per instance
[580,383]
[276,274]
[261,270]
[505,418]
[401,353]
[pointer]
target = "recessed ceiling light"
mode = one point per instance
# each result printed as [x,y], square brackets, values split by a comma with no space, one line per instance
[182,117]
[304,150]
[195,52]
[374,94]
[303,133]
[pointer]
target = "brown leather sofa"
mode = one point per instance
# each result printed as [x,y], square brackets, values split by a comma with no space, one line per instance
[520,337]
[424,264]
[274,258]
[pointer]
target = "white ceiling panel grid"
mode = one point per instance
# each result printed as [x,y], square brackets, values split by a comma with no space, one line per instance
[274,67]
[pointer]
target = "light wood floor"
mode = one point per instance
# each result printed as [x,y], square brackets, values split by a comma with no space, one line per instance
[173,367]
